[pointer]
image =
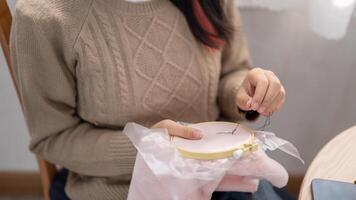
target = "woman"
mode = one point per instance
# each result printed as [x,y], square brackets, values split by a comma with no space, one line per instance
[85,68]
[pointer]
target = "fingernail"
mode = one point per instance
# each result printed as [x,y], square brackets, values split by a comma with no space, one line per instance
[248,103]
[197,133]
[254,106]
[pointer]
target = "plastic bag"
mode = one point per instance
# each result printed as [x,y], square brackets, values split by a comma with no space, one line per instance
[160,171]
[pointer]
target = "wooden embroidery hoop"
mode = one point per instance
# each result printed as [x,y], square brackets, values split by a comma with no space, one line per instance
[214,145]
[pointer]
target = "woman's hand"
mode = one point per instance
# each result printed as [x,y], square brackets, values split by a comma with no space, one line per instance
[262,91]
[179,130]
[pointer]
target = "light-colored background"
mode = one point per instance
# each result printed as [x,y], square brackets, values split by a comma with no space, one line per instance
[317,73]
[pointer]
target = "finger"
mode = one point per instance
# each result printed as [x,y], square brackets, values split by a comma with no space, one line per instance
[278,102]
[187,132]
[283,93]
[243,100]
[273,107]
[280,105]
[179,130]
[274,88]
[261,86]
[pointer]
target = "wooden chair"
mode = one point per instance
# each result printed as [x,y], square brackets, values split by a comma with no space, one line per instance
[47,170]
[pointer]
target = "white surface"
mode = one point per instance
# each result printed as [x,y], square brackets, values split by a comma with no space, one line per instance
[317,73]
[328,18]
[269,4]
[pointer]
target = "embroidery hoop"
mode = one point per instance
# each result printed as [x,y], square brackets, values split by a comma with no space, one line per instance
[217,146]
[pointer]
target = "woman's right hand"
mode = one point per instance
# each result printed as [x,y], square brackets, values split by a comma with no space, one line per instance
[176,129]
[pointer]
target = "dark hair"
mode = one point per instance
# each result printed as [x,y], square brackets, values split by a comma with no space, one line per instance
[202,14]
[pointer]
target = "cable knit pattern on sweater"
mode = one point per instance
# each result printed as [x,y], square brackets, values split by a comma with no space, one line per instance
[87,67]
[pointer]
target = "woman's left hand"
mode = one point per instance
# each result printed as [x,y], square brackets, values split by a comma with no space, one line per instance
[262,91]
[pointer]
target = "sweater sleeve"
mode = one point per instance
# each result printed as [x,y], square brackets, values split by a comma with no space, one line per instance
[235,63]
[47,87]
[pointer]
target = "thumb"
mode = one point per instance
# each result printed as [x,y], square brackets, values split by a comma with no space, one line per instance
[186,132]
[179,130]
[243,100]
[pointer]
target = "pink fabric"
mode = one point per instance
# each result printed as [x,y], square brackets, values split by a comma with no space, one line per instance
[146,186]
[238,183]
[244,176]
[262,167]
[161,173]
[211,141]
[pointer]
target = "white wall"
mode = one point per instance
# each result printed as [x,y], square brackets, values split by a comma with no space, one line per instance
[14,154]
[13,133]
[317,73]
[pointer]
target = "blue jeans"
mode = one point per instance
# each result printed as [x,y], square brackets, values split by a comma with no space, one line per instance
[265,191]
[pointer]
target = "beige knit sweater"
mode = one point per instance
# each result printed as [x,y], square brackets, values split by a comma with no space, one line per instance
[87,67]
